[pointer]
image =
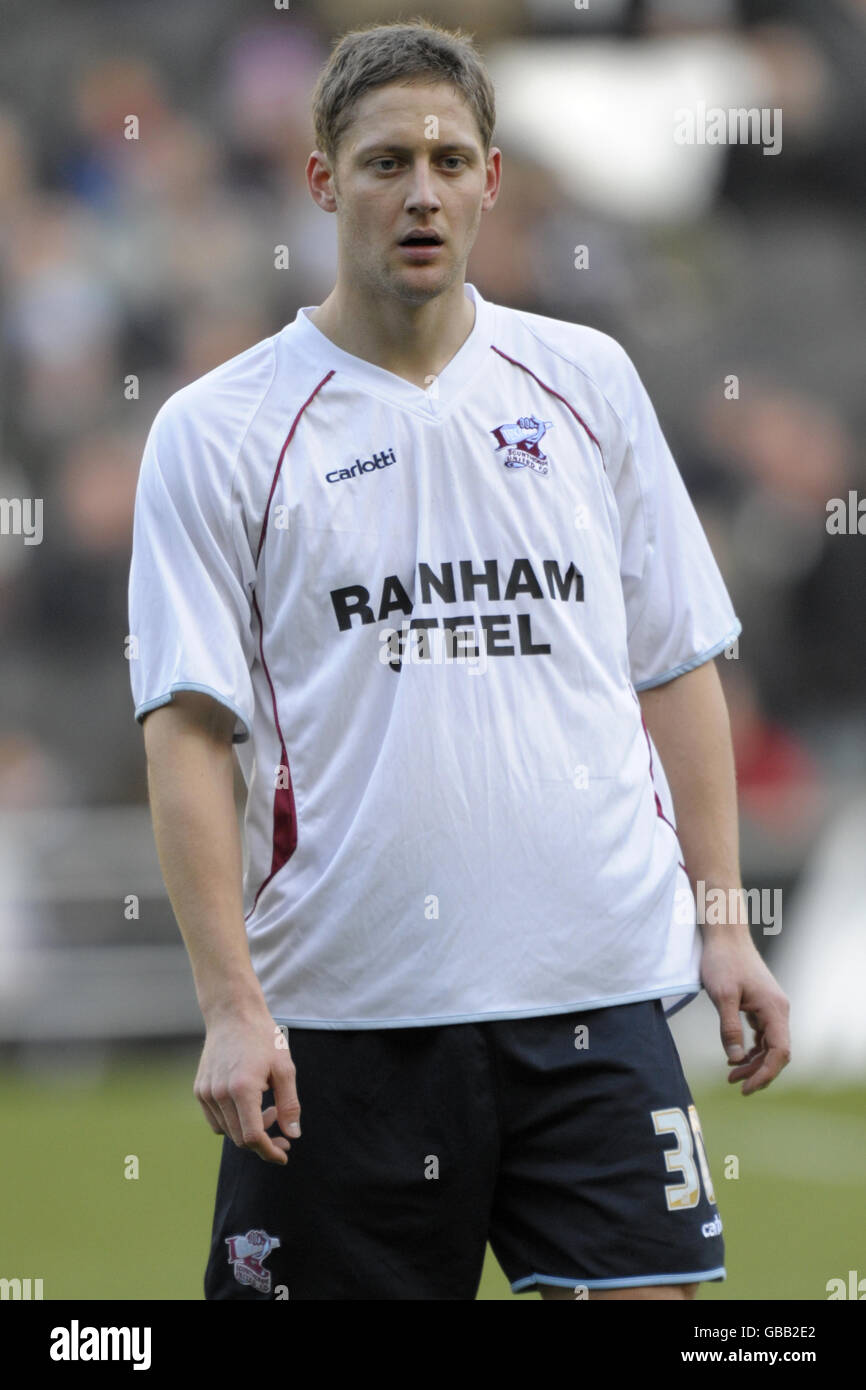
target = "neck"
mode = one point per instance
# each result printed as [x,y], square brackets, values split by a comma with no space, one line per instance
[415,341]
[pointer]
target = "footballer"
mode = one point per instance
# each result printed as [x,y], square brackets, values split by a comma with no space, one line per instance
[426,566]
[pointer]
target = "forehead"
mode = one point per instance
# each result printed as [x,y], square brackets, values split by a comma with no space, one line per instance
[398,110]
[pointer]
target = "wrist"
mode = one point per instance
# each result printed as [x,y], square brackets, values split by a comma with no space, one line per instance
[721,904]
[232,998]
[726,933]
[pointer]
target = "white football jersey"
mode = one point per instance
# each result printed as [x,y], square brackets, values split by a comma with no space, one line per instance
[430,611]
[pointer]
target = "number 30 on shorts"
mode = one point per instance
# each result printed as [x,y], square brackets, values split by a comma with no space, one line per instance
[681,1159]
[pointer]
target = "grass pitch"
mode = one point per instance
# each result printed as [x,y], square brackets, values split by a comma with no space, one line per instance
[793,1217]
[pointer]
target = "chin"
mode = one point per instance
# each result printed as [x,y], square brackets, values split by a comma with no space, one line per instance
[418,287]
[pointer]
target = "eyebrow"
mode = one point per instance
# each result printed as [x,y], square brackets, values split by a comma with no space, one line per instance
[393,148]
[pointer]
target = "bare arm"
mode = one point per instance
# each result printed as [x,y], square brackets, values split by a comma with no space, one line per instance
[190,763]
[688,720]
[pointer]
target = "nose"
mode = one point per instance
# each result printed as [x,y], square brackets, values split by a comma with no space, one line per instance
[421,196]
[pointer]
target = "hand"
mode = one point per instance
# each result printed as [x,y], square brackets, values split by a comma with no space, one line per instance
[737,980]
[244,1055]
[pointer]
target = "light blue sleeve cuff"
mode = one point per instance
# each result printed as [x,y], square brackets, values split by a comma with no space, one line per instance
[166,699]
[692,662]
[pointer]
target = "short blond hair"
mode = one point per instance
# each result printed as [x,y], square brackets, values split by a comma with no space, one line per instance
[380,53]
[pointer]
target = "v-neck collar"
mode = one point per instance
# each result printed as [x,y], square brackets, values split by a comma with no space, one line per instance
[451,381]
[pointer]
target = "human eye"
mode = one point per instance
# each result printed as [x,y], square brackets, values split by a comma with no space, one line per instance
[384,159]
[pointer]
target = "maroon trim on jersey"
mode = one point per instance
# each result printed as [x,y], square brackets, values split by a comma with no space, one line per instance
[579,418]
[659,810]
[289,437]
[285,820]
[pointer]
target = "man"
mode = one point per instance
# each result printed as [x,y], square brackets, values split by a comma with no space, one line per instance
[415,556]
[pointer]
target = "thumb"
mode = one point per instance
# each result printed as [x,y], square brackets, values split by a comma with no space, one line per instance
[731,1029]
[287,1104]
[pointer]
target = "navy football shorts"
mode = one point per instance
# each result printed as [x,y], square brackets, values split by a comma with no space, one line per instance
[570,1142]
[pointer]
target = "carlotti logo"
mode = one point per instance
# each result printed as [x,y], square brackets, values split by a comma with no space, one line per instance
[246,1254]
[380,460]
[521,439]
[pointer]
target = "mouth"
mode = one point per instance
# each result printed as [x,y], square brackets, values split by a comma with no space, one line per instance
[421,238]
[421,246]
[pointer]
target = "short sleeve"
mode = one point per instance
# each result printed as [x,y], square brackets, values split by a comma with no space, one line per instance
[191,574]
[679,613]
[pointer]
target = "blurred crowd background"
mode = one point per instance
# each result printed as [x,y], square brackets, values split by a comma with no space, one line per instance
[154,258]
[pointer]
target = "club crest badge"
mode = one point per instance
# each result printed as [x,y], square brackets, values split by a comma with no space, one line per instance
[246,1254]
[521,439]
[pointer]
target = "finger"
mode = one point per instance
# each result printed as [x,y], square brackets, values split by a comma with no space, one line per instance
[754,1054]
[731,1027]
[776,1044]
[286,1099]
[201,1091]
[758,1045]
[747,1063]
[210,1115]
[761,1067]
[776,1058]
[224,1108]
[752,1064]
[248,1102]
[268,1118]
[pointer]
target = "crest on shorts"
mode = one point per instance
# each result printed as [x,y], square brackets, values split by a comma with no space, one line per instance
[521,438]
[246,1254]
